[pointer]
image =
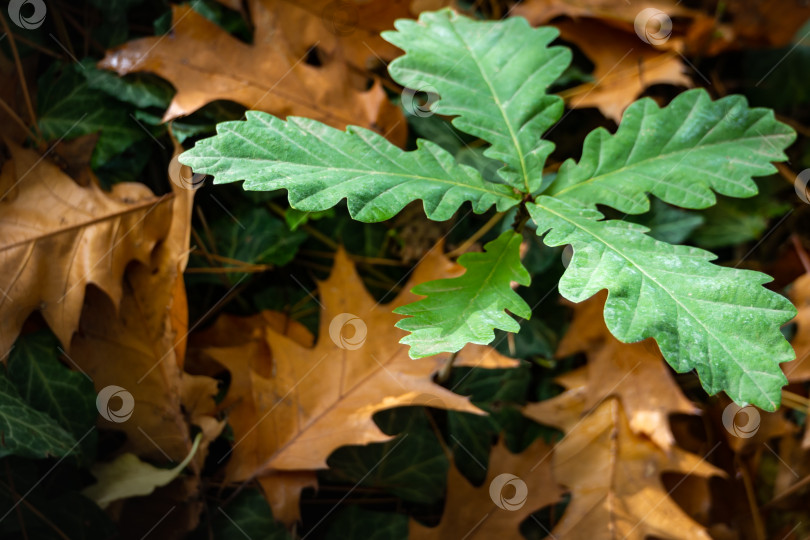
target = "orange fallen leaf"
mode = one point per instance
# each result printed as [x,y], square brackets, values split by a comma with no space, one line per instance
[614,475]
[634,372]
[347,30]
[205,63]
[472,512]
[749,427]
[624,66]
[761,23]
[291,404]
[135,346]
[57,237]
[740,24]
[798,370]
[618,13]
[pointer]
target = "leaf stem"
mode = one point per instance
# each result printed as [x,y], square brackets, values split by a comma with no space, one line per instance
[460,250]
[522,216]
[444,373]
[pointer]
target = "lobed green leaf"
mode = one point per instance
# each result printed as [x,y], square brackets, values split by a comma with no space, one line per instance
[680,153]
[719,321]
[467,308]
[493,75]
[319,166]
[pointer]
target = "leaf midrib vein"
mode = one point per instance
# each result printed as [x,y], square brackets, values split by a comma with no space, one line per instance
[646,162]
[651,278]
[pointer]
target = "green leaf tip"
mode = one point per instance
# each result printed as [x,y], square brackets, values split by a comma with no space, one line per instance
[717,320]
[681,153]
[467,309]
[492,76]
[319,166]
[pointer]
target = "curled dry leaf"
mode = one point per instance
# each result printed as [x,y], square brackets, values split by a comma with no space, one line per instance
[291,403]
[614,475]
[139,347]
[633,372]
[205,63]
[57,237]
[471,512]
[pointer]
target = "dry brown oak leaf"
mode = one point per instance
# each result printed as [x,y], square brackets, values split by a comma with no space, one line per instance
[622,14]
[798,370]
[614,476]
[624,66]
[745,23]
[636,373]
[205,63]
[57,237]
[471,512]
[346,30]
[246,336]
[139,346]
[291,403]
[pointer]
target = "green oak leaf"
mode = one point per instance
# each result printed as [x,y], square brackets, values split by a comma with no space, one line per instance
[319,165]
[467,308]
[669,223]
[680,153]
[717,320]
[491,75]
